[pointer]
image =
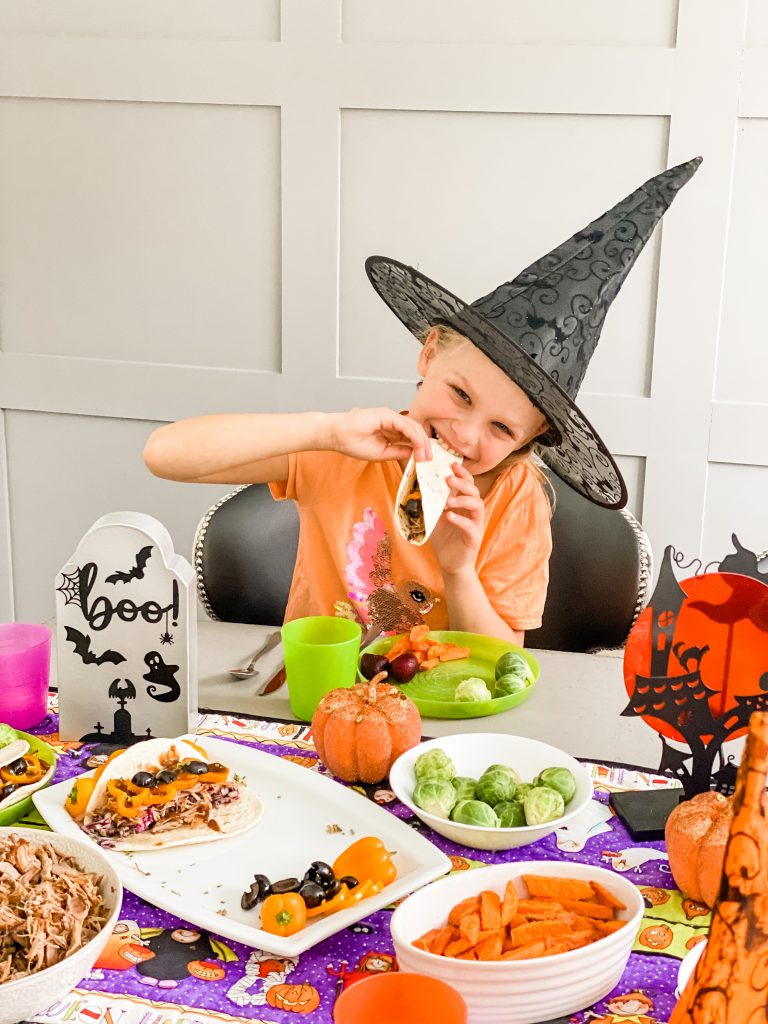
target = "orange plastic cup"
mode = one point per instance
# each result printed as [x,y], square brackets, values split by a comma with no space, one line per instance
[400,997]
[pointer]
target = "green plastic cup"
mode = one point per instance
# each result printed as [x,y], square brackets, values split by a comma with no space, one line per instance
[321,653]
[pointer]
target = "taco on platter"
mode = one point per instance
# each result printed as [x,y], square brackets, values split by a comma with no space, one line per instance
[161,793]
[423,493]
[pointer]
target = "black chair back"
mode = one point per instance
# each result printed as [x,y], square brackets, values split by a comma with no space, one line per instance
[600,569]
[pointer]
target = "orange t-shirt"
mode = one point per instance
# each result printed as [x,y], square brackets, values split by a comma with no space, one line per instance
[351,560]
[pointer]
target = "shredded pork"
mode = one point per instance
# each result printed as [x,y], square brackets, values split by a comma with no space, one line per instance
[49,907]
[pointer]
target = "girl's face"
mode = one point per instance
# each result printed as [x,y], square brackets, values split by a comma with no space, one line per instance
[472,405]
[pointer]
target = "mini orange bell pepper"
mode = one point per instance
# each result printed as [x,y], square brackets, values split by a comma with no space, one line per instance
[283,913]
[368,858]
[79,796]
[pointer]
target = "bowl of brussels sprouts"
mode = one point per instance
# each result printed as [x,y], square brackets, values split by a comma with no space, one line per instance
[491,791]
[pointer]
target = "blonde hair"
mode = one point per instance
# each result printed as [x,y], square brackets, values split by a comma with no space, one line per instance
[448,337]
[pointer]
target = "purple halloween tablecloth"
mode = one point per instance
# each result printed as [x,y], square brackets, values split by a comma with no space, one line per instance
[159,969]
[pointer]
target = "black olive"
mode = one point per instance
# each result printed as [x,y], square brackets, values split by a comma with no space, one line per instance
[18,767]
[332,888]
[165,777]
[263,886]
[144,780]
[8,790]
[312,894]
[350,881]
[195,767]
[249,899]
[320,872]
[286,885]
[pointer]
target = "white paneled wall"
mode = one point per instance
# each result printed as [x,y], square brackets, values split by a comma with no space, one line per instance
[188,192]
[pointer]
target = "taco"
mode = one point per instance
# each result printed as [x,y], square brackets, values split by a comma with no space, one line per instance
[423,493]
[162,793]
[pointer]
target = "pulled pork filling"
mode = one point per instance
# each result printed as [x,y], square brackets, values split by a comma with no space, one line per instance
[49,907]
[413,513]
[188,807]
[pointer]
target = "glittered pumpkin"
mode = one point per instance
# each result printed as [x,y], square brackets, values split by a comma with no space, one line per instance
[696,834]
[360,731]
[294,998]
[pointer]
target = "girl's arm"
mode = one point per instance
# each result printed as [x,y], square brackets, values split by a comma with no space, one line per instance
[248,448]
[470,611]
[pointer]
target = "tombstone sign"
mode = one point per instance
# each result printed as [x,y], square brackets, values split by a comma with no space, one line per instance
[126,634]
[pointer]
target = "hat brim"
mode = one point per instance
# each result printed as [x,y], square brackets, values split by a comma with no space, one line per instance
[579,457]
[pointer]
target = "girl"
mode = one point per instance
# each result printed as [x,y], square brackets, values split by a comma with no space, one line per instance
[498,383]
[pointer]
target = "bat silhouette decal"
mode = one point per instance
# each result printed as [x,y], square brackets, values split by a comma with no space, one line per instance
[83,648]
[137,572]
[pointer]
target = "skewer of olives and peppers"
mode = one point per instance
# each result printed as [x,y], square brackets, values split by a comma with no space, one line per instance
[361,870]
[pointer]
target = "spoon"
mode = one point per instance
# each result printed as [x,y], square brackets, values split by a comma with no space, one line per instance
[271,640]
[12,752]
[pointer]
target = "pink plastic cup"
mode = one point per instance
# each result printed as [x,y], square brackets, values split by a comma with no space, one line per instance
[25,659]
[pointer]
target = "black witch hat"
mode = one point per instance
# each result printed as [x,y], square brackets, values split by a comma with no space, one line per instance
[542,328]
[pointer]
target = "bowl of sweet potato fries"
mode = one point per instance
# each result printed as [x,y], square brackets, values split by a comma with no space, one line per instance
[522,942]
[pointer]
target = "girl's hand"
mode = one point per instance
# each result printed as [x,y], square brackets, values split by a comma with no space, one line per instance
[457,537]
[377,435]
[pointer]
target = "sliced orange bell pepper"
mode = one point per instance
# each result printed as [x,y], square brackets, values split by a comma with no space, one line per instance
[79,796]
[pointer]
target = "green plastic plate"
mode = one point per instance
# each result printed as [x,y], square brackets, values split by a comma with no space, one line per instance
[23,806]
[432,691]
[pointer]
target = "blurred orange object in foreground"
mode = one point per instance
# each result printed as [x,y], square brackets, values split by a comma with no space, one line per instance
[402,997]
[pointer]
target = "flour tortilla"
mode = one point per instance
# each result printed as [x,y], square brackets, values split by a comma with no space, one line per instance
[230,819]
[429,478]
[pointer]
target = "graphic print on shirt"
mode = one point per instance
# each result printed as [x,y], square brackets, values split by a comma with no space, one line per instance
[374,597]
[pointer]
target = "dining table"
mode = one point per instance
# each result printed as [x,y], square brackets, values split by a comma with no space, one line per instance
[575,705]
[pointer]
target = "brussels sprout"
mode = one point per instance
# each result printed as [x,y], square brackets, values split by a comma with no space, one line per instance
[504,768]
[522,791]
[515,664]
[509,683]
[510,814]
[434,764]
[464,786]
[7,735]
[435,796]
[493,787]
[474,812]
[543,804]
[560,779]
[473,689]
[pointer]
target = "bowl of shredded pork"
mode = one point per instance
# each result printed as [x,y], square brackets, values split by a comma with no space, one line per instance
[59,901]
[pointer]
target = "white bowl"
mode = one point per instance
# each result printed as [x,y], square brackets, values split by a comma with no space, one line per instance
[524,991]
[471,754]
[688,966]
[21,999]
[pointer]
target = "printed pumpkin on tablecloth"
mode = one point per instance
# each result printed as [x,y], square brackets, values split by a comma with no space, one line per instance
[301,998]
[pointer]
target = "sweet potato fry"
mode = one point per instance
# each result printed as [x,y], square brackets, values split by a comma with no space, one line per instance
[425,941]
[526,952]
[539,910]
[469,927]
[435,650]
[400,646]
[490,948]
[455,654]
[418,633]
[509,903]
[457,947]
[609,927]
[602,895]
[587,909]
[525,934]
[470,954]
[557,888]
[443,937]
[564,943]
[490,909]
[466,906]
[428,663]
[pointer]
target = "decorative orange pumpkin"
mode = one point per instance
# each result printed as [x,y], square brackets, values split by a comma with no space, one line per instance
[696,834]
[360,731]
[294,998]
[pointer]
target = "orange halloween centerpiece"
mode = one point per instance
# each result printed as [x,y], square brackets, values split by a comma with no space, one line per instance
[696,835]
[360,731]
[730,983]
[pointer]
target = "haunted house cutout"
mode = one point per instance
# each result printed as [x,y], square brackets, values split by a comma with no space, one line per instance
[696,666]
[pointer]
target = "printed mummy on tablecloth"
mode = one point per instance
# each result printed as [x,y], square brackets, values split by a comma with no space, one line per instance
[126,634]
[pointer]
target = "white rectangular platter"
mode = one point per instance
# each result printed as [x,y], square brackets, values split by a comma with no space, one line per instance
[203,883]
